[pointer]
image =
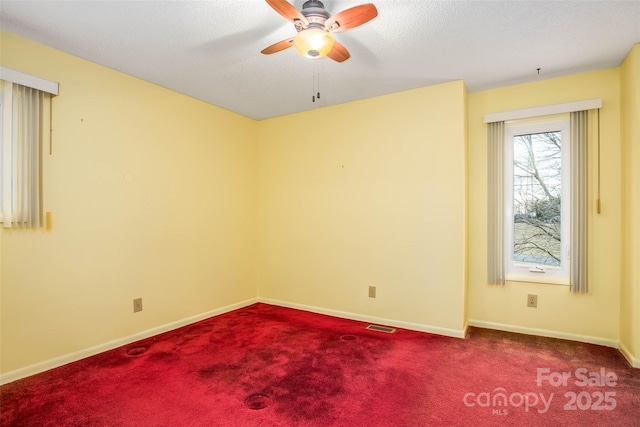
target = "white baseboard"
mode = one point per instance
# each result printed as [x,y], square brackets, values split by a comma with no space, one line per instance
[457,333]
[75,356]
[633,361]
[544,333]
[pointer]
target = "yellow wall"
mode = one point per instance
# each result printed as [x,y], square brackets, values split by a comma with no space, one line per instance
[368,193]
[630,301]
[153,195]
[595,316]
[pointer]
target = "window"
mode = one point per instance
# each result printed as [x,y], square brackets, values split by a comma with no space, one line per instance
[537,176]
[20,155]
[24,118]
[537,201]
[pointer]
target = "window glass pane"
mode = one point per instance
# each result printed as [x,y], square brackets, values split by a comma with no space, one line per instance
[537,190]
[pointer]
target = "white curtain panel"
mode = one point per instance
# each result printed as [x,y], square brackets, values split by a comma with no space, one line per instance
[495,212]
[22,156]
[578,269]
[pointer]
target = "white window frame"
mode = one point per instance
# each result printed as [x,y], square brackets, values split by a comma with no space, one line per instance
[525,273]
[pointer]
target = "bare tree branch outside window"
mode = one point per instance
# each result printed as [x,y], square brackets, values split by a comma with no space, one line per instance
[537,171]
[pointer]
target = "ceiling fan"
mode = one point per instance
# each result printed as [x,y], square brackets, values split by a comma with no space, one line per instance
[314,26]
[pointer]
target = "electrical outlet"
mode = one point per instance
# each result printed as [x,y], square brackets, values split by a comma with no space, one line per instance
[137,305]
[532,300]
[372,291]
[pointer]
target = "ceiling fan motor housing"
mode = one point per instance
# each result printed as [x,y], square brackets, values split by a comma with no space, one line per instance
[315,13]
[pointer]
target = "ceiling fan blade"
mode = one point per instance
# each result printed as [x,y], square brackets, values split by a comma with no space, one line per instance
[287,10]
[339,53]
[277,47]
[351,18]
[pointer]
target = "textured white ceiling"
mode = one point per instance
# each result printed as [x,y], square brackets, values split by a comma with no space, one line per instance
[210,50]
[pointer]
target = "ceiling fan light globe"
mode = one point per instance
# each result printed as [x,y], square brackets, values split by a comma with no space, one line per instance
[313,43]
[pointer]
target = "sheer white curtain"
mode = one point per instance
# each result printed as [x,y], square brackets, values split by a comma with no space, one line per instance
[21,156]
[578,154]
[495,212]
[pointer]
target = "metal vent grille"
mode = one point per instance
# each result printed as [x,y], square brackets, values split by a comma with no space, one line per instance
[381,328]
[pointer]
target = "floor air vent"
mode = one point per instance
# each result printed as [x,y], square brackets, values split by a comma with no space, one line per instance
[381,328]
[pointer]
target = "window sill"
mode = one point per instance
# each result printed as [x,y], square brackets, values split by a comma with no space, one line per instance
[538,278]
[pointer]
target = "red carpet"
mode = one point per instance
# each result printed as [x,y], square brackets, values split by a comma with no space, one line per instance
[271,366]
